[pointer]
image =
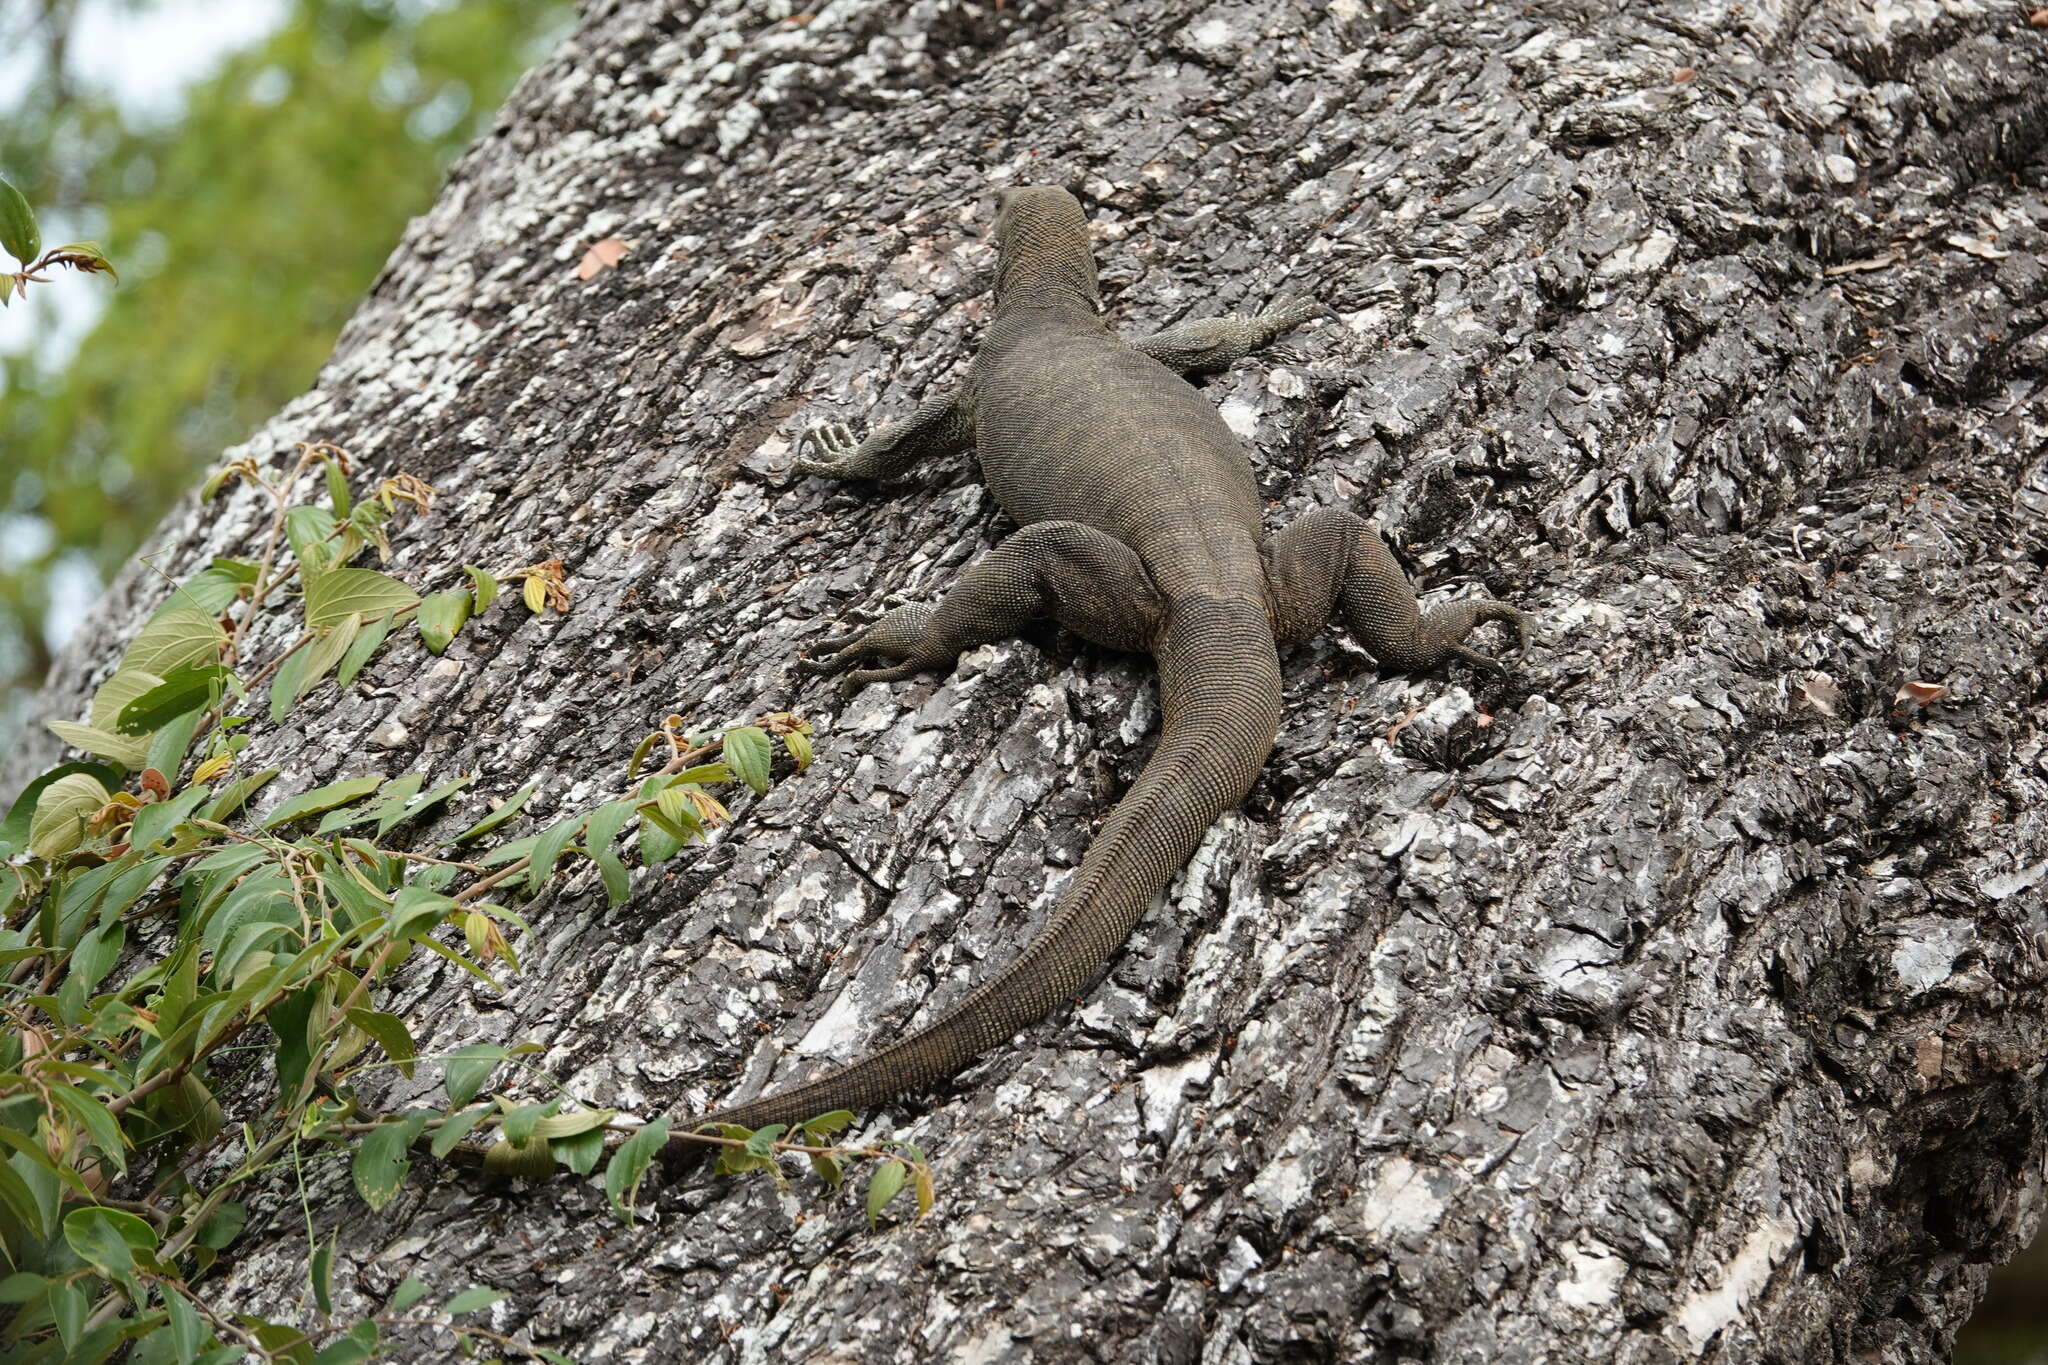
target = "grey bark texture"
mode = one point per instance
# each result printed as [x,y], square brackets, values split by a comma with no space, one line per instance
[1682,996]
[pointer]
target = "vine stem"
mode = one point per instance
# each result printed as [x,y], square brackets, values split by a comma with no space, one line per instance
[264,579]
[471,893]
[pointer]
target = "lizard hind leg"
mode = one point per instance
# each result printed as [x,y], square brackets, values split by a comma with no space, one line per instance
[1091,583]
[1332,563]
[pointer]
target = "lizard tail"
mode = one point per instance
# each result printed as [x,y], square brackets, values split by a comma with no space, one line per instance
[1219,684]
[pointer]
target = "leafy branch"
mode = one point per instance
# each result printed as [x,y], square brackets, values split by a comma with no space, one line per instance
[23,240]
[154,933]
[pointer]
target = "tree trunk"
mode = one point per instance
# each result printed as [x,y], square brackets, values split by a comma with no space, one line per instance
[1680,995]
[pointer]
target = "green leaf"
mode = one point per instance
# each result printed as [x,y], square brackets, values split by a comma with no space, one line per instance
[95,955]
[175,637]
[289,1019]
[629,1163]
[509,853]
[224,1226]
[391,798]
[167,747]
[391,1034]
[189,1334]
[517,1125]
[456,1127]
[308,529]
[605,823]
[350,592]
[363,646]
[827,1169]
[554,1126]
[116,692]
[41,1179]
[799,745]
[883,1186]
[346,1350]
[322,799]
[440,616]
[826,1126]
[468,1068]
[67,1310]
[212,591]
[381,1161]
[321,1274]
[15,829]
[107,1240]
[677,813]
[548,849]
[57,824]
[659,840]
[19,1199]
[761,1142]
[156,820]
[337,487]
[126,750]
[186,689]
[408,1293]
[749,752]
[510,807]
[324,653]
[191,1108]
[579,1152]
[18,230]
[450,955]
[469,1300]
[284,684]
[237,793]
[482,585]
[395,814]
[416,910]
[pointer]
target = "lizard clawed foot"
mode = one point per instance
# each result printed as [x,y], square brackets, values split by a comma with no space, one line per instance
[835,444]
[1485,611]
[899,634]
[1289,314]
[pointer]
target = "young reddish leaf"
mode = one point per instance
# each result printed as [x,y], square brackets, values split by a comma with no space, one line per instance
[600,257]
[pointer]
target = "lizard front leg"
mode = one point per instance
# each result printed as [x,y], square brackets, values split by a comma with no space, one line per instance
[942,425]
[1332,562]
[1092,583]
[1210,344]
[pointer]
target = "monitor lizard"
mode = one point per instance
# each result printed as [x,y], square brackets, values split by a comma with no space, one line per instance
[1140,530]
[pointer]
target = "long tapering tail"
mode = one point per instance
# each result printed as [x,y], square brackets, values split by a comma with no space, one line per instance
[1219,683]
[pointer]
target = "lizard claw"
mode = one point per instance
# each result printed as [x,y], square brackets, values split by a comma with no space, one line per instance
[1291,313]
[1522,621]
[835,444]
[897,635]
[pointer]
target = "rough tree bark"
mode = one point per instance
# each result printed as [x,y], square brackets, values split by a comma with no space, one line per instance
[1680,996]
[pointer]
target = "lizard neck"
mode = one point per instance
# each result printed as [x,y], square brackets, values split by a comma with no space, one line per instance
[1043,297]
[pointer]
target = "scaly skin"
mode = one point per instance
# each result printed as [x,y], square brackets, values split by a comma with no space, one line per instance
[1141,531]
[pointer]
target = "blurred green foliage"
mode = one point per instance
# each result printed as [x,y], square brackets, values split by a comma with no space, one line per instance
[245,227]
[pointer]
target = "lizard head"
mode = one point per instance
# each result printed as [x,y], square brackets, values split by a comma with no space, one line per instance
[1042,251]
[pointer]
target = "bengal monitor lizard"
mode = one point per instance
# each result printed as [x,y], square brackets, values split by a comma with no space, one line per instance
[1141,531]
